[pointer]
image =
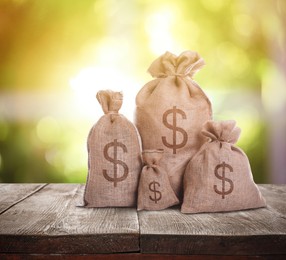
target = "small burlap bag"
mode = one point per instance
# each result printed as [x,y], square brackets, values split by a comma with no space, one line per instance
[154,191]
[219,177]
[114,157]
[170,112]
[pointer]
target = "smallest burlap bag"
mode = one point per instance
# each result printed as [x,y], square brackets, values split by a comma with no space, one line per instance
[218,178]
[155,191]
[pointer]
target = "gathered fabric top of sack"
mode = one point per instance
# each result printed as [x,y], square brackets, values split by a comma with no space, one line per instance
[222,131]
[185,65]
[110,101]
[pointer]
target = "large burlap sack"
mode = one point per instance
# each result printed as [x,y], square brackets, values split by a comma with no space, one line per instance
[114,157]
[171,110]
[154,191]
[219,177]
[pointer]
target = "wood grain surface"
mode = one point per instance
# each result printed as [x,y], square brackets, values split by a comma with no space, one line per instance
[45,219]
[50,222]
[250,232]
[11,194]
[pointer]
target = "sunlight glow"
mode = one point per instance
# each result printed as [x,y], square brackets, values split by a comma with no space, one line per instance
[92,79]
[158,26]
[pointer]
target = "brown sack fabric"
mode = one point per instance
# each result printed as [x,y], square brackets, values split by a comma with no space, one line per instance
[171,110]
[219,177]
[114,157]
[154,192]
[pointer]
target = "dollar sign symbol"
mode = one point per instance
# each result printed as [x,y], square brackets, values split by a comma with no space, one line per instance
[115,179]
[223,191]
[152,187]
[174,111]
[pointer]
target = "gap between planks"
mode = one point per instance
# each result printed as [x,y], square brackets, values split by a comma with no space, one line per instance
[23,198]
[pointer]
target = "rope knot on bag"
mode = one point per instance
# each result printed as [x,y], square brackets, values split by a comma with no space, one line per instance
[179,75]
[151,158]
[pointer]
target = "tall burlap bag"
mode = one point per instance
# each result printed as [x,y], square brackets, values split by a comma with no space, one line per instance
[114,157]
[170,112]
[154,191]
[219,177]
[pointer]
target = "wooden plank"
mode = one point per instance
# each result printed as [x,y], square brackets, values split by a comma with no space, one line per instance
[132,256]
[250,232]
[50,222]
[276,197]
[11,194]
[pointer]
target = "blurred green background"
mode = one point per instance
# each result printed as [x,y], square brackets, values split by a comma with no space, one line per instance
[55,55]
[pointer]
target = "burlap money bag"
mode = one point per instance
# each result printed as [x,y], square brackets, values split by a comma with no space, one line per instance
[170,112]
[219,177]
[154,191]
[114,157]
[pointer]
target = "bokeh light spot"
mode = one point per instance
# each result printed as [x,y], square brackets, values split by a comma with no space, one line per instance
[233,58]
[273,101]
[213,6]
[4,130]
[0,161]
[48,130]
[74,161]
[244,24]
[54,157]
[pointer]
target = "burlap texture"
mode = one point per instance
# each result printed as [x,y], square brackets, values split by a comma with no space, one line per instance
[219,177]
[114,157]
[170,112]
[154,191]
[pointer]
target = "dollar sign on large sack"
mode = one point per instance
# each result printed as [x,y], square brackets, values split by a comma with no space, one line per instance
[173,126]
[223,179]
[152,187]
[115,178]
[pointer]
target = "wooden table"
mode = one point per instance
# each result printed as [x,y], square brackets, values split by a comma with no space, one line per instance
[37,220]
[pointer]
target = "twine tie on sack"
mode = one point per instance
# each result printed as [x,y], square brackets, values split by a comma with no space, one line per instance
[113,115]
[180,75]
